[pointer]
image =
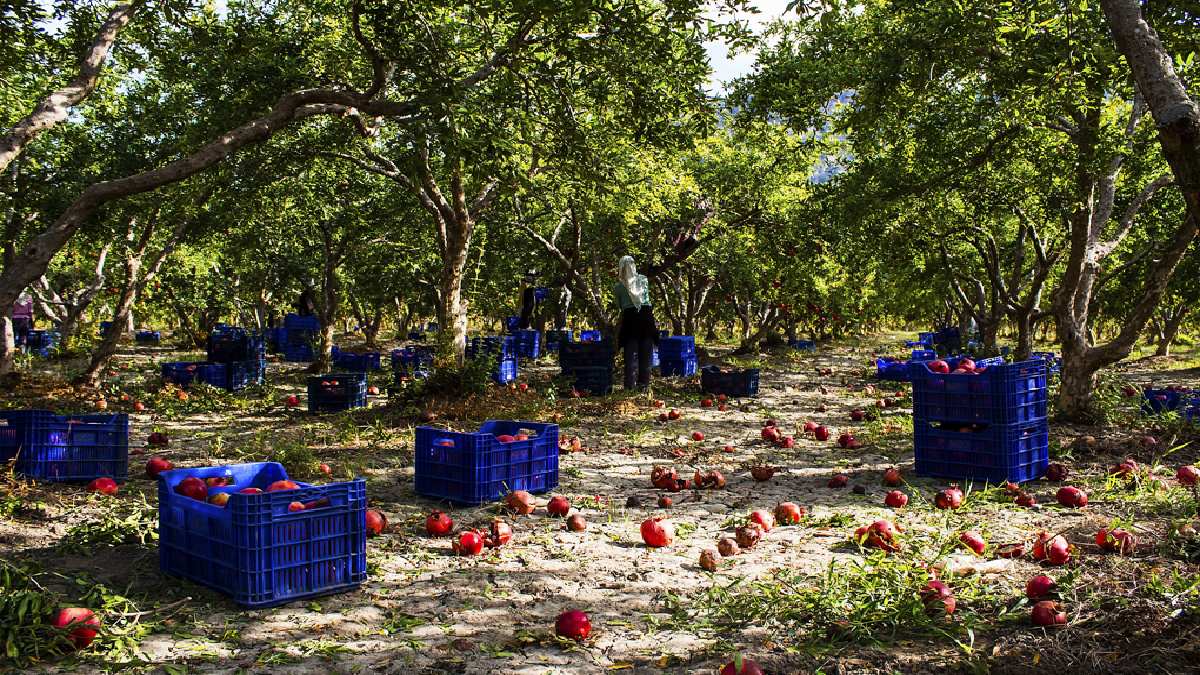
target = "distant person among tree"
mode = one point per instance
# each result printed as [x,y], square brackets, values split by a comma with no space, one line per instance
[306,305]
[638,334]
[528,300]
[22,316]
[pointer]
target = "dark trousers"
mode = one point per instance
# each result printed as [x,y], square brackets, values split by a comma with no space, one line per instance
[637,361]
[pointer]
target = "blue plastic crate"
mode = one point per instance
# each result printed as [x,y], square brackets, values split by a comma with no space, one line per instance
[556,338]
[923,355]
[527,343]
[475,467]
[41,342]
[337,391]
[503,346]
[1156,401]
[213,374]
[680,367]
[541,293]
[594,381]
[949,337]
[253,549]
[573,355]
[415,362]
[301,323]
[275,339]
[415,336]
[242,374]
[298,353]
[992,453]
[892,370]
[677,346]
[234,344]
[1003,394]
[65,448]
[181,373]
[104,327]
[506,371]
[590,336]
[149,336]
[736,383]
[926,338]
[356,362]
[1053,361]
[803,345]
[512,323]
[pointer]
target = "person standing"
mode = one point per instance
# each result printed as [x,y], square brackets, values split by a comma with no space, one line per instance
[528,300]
[22,317]
[638,334]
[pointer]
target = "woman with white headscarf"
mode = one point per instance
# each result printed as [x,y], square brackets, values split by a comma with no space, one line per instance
[638,333]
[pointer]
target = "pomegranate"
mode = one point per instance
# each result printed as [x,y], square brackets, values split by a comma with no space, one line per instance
[281,485]
[559,506]
[157,465]
[665,502]
[741,666]
[674,414]
[292,401]
[938,598]
[857,415]
[663,478]
[657,532]
[1118,540]
[1187,475]
[520,502]
[1047,613]
[1072,496]
[1039,587]
[895,499]
[706,403]
[880,534]
[844,440]
[950,498]
[892,477]
[748,535]
[763,519]
[324,468]
[821,433]
[193,488]
[1054,550]
[1057,472]
[220,499]
[468,543]
[438,524]
[840,480]
[499,534]
[104,486]
[82,617]
[376,522]
[1025,499]
[728,547]
[1015,550]
[786,442]
[713,480]
[573,625]
[770,434]
[709,559]
[810,426]
[697,436]
[788,513]
[973,540]
[762,473]
[576,523]
[938,366]
[295,506]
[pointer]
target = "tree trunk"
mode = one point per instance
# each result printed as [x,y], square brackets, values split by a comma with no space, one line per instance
[1079,376]
[53,109]
[453,317]
[1025,330]
[112,337]
[330,298]
[1171,331]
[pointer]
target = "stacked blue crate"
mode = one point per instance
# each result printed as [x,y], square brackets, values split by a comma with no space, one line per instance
[528,343]
[300,333]
[503,348]
[236,359]
[41,342]
[677,355]
[589,365]
[989,426]
[555,339]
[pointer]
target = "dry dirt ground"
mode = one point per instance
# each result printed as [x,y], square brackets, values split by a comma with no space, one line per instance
[424,609]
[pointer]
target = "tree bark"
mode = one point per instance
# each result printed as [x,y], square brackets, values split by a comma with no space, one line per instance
[55,107]
[1171,330]
[1178,120]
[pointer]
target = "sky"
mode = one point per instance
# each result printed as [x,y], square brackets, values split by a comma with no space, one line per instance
[726,67]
